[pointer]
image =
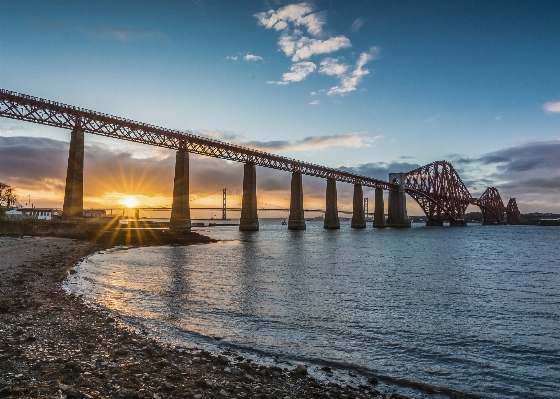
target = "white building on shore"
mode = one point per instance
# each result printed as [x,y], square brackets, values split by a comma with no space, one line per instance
[32,213]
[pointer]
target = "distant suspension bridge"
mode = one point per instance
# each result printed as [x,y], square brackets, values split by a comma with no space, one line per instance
[208,203]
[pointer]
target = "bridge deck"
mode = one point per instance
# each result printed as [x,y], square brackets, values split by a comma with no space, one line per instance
[46,112]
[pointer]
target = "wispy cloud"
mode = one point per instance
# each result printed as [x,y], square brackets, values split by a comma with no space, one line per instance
[357,24]
[381,170]
[123,34]
[530,172]
[251,57]
[354,140]
[551,107]
[333,67]
[350,81]
[433,118]
[247,57]
[302,37]
[304,47]
[297,14]
[314,102]
[297,73]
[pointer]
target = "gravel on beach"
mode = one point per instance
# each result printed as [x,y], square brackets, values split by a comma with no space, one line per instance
[53,345]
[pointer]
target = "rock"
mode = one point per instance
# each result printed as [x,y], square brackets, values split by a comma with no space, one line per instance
[224,393]
[301,369]
[121,352]
[372,381]
[167,385]
[227,370]
[63,387]
[326,369]
[205,383]
[197,396]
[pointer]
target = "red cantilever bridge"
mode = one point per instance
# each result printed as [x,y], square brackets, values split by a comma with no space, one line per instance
[436,187]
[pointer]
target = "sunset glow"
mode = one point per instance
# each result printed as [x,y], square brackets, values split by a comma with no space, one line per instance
[130,202]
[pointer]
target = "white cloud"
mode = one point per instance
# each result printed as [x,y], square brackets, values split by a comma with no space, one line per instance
[251,57]
[552,107]
[333,67]
[292,21]
[358,23]
[299,71]
[354,140]
[298,14]
[314,102]
[313,93]
[304,47]
[231,57]
[349,83]
[276,82]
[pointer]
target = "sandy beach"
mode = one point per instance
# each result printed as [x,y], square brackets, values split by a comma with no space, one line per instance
[53,345]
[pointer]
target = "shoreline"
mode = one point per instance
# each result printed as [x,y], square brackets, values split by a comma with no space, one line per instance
[53,344]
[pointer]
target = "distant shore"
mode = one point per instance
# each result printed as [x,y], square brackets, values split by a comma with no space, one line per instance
[53,345]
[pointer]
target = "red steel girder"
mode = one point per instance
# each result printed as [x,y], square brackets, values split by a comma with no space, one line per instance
[46,112]
[491,205]
[439,191]
[512,212]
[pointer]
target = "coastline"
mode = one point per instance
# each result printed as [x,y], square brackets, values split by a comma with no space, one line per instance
[54,345]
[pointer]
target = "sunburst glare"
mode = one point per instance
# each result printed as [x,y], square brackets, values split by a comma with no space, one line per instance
[130,202]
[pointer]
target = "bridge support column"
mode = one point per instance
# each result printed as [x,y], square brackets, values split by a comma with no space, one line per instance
[331,213]
[358,217]
[74,191]
[249,218]
[436,223]
[180,221]
[457,223]
[397,216]
[296,221]
[379,213]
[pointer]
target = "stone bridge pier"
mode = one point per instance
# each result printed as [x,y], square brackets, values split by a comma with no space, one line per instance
[296,220]
[331,210]
[358,216]
[397,216]
[180,209]
[249,217]
[73,206]
[379,212]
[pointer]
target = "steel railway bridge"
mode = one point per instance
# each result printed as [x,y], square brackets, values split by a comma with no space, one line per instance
[436,187]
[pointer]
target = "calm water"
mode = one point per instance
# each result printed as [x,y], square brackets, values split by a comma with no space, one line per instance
[474,309]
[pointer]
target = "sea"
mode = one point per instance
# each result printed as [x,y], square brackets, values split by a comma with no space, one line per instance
[429,311]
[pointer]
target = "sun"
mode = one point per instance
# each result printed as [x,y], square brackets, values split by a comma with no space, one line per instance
[130,202]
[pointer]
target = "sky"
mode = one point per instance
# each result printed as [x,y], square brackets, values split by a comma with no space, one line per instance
[368,86]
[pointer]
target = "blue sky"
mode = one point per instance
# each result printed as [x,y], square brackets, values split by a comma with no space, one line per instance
[372,86]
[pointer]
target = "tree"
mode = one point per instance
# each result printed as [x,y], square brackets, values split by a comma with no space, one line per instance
[8,197]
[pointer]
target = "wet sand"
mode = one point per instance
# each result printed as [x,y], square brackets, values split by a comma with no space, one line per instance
[53,345]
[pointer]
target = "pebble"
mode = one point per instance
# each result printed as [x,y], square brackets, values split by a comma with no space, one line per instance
[301,369]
